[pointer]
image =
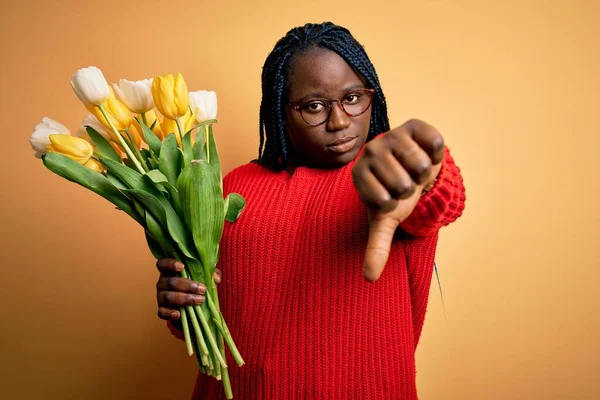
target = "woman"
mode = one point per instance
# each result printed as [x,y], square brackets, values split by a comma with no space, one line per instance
[333,193]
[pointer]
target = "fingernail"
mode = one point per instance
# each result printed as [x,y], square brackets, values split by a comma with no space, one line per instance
[200,288]
[178,266]
[174,315]
[198,299]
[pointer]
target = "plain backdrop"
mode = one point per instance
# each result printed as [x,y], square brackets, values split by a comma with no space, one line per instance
[514,88]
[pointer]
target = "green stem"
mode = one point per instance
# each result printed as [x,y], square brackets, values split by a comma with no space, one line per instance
[186,331]
[127,149]
[210,370]
[222,326]
[211,337]
[199,357]
[206,327]
[219,370]
[197,331]
[154,157]
[180,129]
[225,373]
[137,151]
[144,119]
[216,365]
[206,140]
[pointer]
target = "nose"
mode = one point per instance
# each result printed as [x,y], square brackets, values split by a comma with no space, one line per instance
[338,120]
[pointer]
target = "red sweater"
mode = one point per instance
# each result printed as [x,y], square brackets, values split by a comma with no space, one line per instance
[307,324]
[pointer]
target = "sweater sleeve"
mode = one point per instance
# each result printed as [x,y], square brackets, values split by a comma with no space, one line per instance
[442,205]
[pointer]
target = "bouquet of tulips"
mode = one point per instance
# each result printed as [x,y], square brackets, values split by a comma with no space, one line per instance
[165,174]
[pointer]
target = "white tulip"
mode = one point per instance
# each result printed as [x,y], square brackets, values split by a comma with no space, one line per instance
[90,86]
[93,122]
[39,138]
[206,103]
[137,95]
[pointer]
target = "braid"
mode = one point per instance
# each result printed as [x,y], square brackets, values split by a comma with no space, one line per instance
[273,147]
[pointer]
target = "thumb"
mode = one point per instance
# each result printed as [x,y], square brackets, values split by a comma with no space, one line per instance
[381,233]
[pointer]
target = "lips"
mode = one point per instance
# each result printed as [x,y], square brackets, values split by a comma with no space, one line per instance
[343,145]
[343,140]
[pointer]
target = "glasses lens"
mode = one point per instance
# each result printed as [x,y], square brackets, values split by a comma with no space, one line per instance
[315,112]
[356,103]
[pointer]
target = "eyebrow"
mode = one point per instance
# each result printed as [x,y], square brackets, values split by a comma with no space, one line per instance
[321,95]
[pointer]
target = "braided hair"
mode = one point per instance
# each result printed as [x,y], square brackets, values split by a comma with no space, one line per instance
[273,148]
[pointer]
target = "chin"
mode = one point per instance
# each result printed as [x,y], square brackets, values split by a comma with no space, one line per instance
[339,160]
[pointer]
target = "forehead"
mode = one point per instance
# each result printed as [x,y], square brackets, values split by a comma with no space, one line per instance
[320,72]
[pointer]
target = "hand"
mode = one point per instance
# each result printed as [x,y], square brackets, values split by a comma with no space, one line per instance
[173,292]
[389,177]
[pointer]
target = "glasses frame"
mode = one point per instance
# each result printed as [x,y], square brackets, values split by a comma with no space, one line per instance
[329,104]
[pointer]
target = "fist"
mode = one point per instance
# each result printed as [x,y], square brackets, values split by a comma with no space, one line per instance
[390,176]
[174,292]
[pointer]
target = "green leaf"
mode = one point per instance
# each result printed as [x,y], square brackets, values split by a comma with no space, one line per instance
[149,137]
[166,216]
[157,232]
[115,181]
[235,204]
[94,181]
[153,124]
[147,157]
[154,246]
[198,151]
[196,270]
[170,159]
[203,207]
[102,144]
[130,177]
[159,178]
[151,196]
[187,149]
[214,155]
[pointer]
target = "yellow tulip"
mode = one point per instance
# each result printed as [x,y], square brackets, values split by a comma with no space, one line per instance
[150,118]
[188,121]
[170,95]
[75,148]
[94,165]
[116,110]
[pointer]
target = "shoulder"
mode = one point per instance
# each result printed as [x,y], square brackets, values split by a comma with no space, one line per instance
[244,171]
[249,174]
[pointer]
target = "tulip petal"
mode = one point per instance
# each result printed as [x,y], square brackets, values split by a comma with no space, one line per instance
[170,95]
[136,95]
[73,147]
[39,138]
[90,86]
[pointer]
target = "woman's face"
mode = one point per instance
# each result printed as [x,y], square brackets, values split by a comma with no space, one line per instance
[322,74]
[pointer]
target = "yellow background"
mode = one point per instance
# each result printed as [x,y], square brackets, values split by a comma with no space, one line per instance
[513,86]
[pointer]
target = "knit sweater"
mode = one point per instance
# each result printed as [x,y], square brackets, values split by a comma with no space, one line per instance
[307,324]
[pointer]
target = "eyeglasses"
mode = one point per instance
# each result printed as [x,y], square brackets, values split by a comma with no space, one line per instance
[317,111]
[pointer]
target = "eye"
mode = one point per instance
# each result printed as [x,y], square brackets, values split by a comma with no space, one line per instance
[352,98]
[314,107]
